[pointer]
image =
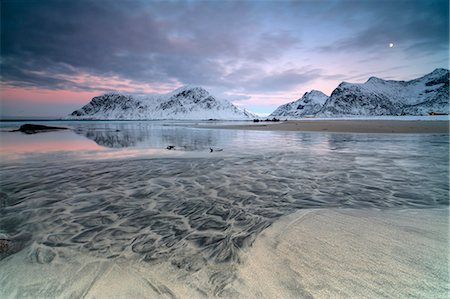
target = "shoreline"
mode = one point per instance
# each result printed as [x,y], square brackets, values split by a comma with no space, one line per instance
[347,126]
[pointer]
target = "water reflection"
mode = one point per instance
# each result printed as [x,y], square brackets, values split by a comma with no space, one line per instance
[157,137]
[117,140]
[113,139]
[110,140]
[12,143]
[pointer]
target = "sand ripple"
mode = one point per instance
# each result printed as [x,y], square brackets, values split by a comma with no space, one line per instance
[196,213]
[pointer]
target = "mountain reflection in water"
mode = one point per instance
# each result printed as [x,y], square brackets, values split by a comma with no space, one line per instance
[137,136]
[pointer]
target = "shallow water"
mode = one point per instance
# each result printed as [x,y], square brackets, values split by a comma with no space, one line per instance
[112,190]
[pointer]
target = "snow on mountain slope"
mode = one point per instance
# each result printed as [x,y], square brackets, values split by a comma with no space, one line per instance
[420,96]
[309,104]
[184,103]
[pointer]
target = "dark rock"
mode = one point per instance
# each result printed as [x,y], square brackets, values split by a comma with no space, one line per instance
[4,246]
[170,147]
[12,244]
[33,129]
[273,119]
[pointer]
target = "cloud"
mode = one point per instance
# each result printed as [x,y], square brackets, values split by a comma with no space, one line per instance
[241,47]
[283,80]
[185,42]
[420,27]
[272,44]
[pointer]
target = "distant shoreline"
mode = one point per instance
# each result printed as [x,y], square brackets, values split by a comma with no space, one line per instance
[348,126]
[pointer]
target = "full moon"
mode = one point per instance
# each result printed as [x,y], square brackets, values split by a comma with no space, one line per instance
[391,45]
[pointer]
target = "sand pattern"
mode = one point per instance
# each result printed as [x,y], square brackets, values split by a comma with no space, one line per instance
[350,253]
[197,213]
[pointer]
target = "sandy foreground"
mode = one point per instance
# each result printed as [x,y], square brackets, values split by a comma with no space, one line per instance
[350,126]
[320,253]
[334,253]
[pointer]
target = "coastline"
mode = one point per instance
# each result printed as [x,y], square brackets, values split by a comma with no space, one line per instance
[346,126]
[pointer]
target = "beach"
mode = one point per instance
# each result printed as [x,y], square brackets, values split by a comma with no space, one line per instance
[349,126]
[118,215]
[317,253]
[350,253]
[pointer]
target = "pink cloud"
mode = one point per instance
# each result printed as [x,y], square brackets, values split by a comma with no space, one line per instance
[35,95]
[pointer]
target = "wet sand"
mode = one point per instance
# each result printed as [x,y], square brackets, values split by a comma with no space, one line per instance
[348,253]
[204,227]
[316,253]
[350,126]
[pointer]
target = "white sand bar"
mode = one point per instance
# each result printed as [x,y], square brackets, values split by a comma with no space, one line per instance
[343,253]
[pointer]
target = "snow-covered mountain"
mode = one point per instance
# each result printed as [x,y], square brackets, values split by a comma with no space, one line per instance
[184,103]
[309,104]
[420,96]
[375,97]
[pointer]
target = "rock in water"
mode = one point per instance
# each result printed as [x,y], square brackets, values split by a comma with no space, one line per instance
[33,129]
[4,246]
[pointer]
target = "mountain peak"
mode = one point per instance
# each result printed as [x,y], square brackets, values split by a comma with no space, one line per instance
[374,79]
[187,102]
[439,72]
[315,92]
[421,96]
[189,88]
[375,97]
[309,104]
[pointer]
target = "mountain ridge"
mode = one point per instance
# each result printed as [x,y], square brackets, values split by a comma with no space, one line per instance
[377,97]
[309,104]
[187,102]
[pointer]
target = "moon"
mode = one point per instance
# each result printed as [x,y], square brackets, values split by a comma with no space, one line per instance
[391,45]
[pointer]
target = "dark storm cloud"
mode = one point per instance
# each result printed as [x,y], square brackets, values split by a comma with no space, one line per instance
[97,37]
[420,27]
[143,42]
[19,77]
[235,44]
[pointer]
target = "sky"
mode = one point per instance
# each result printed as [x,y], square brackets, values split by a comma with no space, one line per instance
[57,55]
